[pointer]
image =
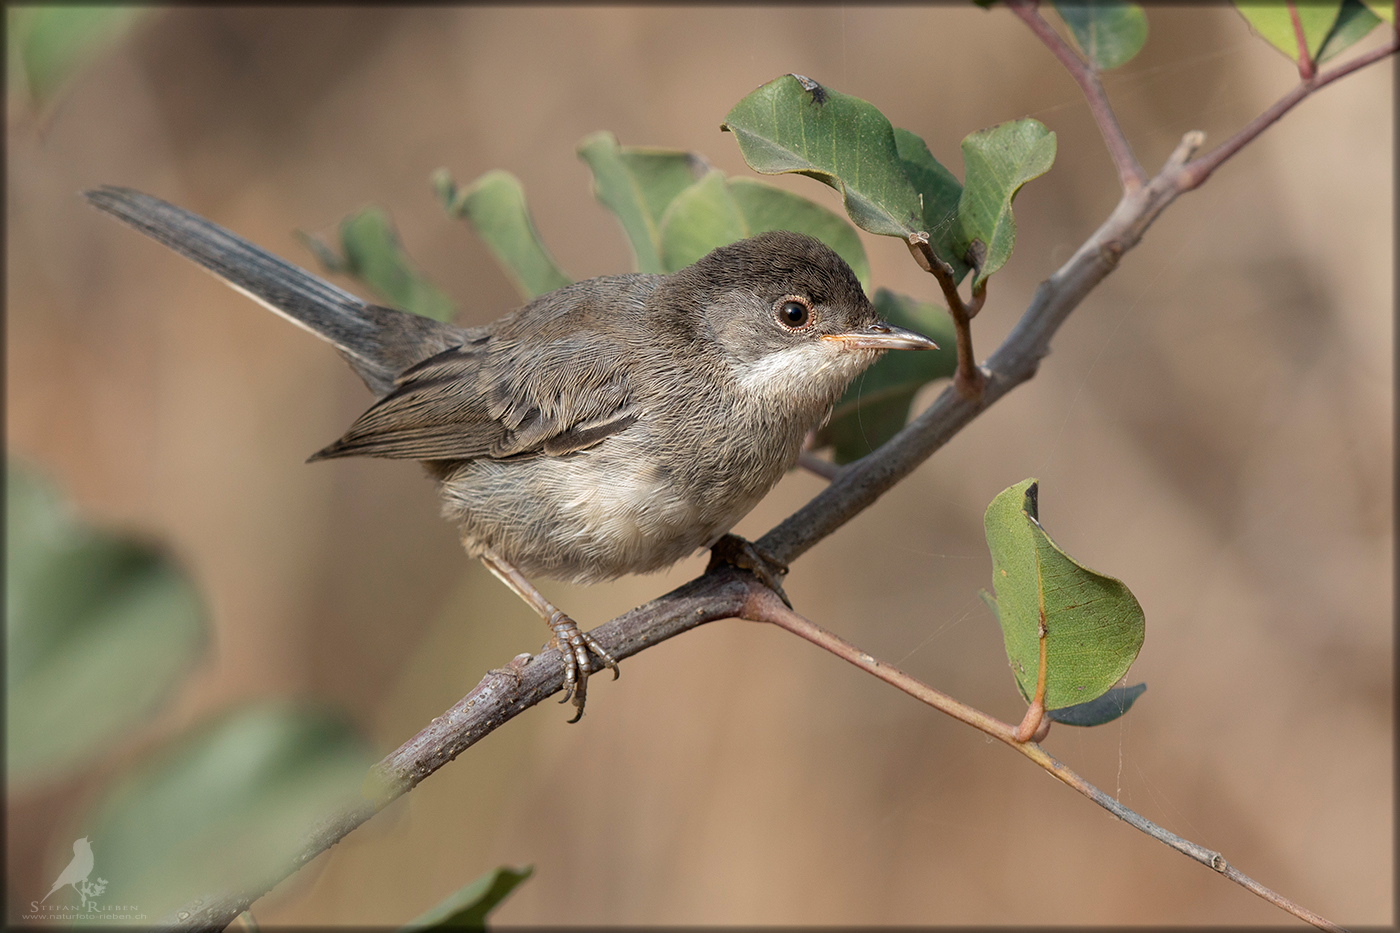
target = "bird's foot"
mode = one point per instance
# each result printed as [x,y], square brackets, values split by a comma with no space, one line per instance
[746,555]
[575,644]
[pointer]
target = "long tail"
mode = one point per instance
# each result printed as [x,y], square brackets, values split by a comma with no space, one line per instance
[379,343]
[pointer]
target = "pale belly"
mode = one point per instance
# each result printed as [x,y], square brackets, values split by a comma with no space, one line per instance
[597,514]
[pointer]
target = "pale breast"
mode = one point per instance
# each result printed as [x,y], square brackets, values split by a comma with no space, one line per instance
[597,514]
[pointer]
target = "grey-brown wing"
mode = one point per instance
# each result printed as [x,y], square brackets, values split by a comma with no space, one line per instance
[493,399]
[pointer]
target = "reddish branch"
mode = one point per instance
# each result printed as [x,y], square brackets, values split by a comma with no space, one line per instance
[1198,170]
[967,379]
[1305,62]
[764,606]
[1130,173]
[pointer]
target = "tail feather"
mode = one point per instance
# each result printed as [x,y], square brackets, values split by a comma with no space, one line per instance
[379,343]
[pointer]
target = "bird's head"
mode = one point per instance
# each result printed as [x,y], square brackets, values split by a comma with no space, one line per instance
[789,318]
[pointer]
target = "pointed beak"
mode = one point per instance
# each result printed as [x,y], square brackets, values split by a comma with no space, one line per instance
[882,336]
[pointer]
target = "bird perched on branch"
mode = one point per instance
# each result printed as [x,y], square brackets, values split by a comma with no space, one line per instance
[612,426]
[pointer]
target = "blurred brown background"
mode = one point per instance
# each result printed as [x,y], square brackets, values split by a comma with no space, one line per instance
[1214,427]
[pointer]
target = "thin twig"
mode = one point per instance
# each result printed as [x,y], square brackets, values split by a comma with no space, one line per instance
[763,605]
[968,379]
[1197,171]
[1130,172]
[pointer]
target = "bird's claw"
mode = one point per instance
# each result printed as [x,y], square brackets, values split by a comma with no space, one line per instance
[746,555]
[575,644]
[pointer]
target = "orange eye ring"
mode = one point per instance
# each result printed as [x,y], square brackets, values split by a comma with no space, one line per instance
[793,312]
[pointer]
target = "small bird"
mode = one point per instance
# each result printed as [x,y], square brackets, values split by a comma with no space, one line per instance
[78,869]
[611,426]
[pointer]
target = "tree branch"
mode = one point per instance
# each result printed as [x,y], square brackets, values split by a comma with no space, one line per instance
[727,593]
[967,379]
[764,606]
[1197,171]
[1130,173]
[493,702]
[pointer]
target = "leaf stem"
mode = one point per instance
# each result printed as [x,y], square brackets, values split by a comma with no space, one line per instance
[1030,725]
[968,380]
[1305,62]
[1130,172]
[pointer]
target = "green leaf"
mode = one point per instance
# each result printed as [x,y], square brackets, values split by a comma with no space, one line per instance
[223,807]
[996,163]
[939,191]
[876,405]
[1271,20]
[1385,9]
[494,205]
[373,254]
[98,629]
[1354,21]
[714,212]
[467,907]
[1108,32]
[1106,708]
[793,124]
[1094,625]
[638,185]
[765,208]
[50,44]
[701,218]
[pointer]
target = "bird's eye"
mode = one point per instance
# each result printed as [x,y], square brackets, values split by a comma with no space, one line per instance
[794,313]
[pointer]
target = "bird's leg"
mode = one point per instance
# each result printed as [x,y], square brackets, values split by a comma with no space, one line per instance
[572,642]
[746,555]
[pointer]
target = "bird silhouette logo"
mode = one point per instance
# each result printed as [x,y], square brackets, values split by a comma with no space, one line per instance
[76,874]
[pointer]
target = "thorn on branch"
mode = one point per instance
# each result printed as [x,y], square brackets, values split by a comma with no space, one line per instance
[1190,143]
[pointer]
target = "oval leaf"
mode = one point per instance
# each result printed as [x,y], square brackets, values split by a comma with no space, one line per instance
[1094,625]
[1271,20]
[876,406]
[793,124]
[1385,9]
[765,208]
[223,808]
[467,907]
[996,163]
[51,43]
[701,218]
[494,205]
[939,193]
[716,211]
[637,185]
[372,254]
[1354,21]
[1108,32]
[1106,708]
[98,629]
